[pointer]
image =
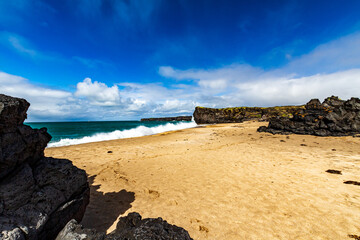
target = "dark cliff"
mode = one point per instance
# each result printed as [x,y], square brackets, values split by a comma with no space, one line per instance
[204,115]
[38,195]
[333,117]
[168,119]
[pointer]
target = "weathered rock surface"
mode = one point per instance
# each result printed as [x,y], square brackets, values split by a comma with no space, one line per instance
[12,112]
[131,227]
[204,115]
[168,119]
[18,143]
[333,117]
[38,195]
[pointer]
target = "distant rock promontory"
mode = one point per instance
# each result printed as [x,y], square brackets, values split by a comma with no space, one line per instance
[203,115]
[168,119]
[332,117]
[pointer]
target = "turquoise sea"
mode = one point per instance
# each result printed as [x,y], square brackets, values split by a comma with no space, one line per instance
[72,133]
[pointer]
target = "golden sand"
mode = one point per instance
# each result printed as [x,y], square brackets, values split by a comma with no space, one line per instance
[225,181]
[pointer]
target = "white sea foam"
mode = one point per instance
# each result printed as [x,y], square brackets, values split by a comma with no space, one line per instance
[134,132]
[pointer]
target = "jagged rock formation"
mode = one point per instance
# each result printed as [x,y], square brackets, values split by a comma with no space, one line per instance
[131,227]
[168,119]
[38,195]
[204,115]
[333,117]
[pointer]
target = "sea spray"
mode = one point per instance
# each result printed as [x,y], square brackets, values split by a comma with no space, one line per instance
[119,134]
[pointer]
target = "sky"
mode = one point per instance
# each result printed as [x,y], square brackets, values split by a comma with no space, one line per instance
[80,60]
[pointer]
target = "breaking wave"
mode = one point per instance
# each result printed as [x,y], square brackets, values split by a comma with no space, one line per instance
[129,133]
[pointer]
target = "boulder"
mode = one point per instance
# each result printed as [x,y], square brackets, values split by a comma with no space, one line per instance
[131,227]
[38,195]
[12,112]
[333,117]
[18,143]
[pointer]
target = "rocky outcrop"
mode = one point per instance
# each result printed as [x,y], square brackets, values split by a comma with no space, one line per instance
[131,227]
[204,115]
[38,195]
[168,119]
[18,143]
[333,117]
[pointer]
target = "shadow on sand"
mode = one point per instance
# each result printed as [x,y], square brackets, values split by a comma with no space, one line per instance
[104,208]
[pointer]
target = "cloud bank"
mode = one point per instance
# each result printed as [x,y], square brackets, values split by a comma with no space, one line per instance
[330,69]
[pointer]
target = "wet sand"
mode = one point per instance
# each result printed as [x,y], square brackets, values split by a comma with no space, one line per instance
[225,181]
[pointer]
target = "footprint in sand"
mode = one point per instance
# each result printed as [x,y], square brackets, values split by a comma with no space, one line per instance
[153,194]
[194,220]
[203,229]
[173,202]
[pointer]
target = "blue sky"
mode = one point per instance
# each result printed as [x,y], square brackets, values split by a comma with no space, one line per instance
[121,60]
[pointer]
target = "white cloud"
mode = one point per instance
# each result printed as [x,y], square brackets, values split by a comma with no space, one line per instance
[243,72]
[45,102]
[15,85]
[218,84]
[283,91]
[98,93]
[276,87]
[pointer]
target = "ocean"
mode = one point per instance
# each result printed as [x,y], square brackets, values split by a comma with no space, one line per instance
[72,133]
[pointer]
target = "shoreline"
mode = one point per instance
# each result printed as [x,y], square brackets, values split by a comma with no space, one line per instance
[166,132]
[139,131]
[225,181]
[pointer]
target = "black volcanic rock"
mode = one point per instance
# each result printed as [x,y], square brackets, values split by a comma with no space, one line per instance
[168,119]
[333,117]
[12,112]
[23,144]
[38,195]
[204,115]
[18,143]
[131,227]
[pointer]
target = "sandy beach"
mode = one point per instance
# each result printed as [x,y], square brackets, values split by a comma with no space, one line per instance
[225,181]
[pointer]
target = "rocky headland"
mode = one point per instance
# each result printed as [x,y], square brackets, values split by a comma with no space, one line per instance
[332,117]
[38,195]
[168,119]
[203,115]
